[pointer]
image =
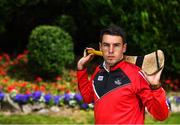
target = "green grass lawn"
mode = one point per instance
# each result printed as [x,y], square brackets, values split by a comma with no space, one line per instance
[174,118]
[63,117]
[79,117]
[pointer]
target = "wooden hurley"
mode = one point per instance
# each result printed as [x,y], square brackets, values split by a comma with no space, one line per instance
[150,63]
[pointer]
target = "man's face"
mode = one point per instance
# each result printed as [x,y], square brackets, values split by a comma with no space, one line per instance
[112,48]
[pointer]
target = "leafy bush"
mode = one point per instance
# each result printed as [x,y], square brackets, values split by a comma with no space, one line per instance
[50,49]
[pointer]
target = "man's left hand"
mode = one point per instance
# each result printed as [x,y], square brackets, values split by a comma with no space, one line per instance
[153,79]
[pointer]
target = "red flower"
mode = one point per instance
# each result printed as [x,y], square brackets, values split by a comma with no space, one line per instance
[61,88]
[176,81]
[175,87]
[25,52]
[38,79]
[4,80]
[20,56]
[28,91]
[42,88]
[67,91]
[10,88]
[2,72]
[74,81]
[1,87]
[6,57]
[36,88]
[24,84]
[58,78]
[171,85]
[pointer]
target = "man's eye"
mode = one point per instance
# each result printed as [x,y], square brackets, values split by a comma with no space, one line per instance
[105,44]
[117,45]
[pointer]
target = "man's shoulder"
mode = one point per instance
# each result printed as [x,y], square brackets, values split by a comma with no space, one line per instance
[132,70]
[132,67]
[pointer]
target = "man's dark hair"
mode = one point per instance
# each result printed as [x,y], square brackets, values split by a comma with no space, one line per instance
[113,30]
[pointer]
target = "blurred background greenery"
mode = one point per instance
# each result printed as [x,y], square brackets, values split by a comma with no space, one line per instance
[149,25]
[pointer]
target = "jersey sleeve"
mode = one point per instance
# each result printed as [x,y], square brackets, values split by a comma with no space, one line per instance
[154,100]
[85,86]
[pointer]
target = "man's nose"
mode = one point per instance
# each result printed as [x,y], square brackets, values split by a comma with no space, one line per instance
[111,49]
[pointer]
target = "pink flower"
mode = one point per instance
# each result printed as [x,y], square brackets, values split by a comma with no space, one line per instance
[168,81]
[1,57]
[6,57]
[20,56]
[58,78]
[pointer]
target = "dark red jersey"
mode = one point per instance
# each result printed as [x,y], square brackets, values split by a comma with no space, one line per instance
[121,95]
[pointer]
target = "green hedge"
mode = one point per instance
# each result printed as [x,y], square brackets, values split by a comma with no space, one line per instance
[50,49]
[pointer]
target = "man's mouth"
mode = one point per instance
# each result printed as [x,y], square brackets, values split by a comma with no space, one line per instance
[111,57]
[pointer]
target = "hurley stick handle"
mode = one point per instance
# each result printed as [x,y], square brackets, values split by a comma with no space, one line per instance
[150,63]
[96,52]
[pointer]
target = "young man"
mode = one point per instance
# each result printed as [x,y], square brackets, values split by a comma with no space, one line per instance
[120,90]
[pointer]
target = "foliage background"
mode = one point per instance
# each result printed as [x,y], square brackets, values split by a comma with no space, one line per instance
[149,25]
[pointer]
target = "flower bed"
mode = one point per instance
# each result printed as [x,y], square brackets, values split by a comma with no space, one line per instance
[63,91]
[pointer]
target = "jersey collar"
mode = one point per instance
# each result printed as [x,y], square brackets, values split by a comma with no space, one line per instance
[116,66]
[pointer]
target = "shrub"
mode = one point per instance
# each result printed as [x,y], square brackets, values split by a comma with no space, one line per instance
[50,49]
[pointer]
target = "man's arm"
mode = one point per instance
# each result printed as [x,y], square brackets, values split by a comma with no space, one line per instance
[84,85]
[153,99]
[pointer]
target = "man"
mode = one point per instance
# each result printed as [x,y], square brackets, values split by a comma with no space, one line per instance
[120,90]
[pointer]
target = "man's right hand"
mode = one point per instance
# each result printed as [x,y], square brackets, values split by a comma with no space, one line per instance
[85,59]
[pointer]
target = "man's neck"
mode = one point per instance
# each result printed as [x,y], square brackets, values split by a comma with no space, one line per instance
[107,66]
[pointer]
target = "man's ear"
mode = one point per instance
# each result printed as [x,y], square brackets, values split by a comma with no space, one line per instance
[124,47]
